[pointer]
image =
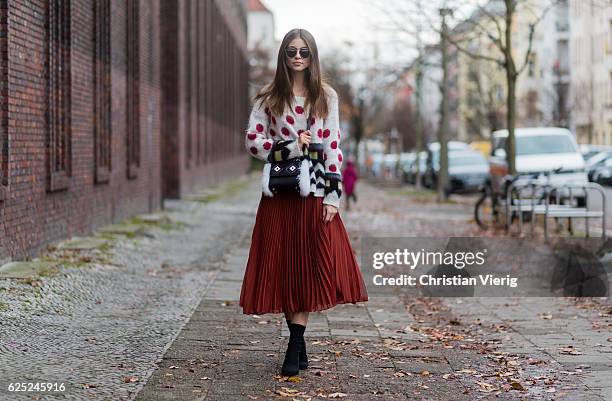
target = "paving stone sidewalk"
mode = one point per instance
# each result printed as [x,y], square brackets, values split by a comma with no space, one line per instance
[222,354]
[388,348]
[99,326]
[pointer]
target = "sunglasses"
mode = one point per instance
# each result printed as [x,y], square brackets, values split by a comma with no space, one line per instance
[291,52]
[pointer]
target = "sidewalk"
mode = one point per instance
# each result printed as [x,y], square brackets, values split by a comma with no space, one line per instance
[390,348]
[157,318]
[355,352]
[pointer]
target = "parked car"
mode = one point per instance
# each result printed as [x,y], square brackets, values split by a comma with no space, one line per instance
[377,164]
[589,151]
[595,162]
[539,150]
[468,170]
[411,175]
[390,165]
[433,159]
[406,160]
[603,173]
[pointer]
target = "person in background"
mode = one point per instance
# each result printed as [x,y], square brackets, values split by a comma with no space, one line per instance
[349,178]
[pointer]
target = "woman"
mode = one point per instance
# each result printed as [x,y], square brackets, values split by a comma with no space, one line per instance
[300,259]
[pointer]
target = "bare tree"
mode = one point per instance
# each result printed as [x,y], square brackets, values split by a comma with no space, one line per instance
[502,37]
[485,104]
[493,21]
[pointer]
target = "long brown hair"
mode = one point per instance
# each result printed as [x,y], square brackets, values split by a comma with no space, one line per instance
[278,94]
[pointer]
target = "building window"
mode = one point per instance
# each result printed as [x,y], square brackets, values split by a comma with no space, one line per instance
[58,94]
[102,91]
[133,89]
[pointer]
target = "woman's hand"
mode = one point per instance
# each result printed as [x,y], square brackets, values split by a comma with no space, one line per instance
[329,212]
[304,138]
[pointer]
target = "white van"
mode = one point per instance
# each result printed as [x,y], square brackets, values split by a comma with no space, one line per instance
[539,150]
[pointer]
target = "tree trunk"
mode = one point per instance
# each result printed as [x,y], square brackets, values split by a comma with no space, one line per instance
[443,131]
[511,118]
[511,78]
[418,123]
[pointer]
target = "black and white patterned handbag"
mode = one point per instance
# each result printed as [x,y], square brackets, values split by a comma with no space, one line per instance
[282,175]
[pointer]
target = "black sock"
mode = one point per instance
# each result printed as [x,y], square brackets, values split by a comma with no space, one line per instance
[296,331]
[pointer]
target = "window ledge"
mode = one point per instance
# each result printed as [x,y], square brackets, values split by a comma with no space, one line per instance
[58,181]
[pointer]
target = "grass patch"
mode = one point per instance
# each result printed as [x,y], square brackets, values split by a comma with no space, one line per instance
[3,306]
[216,192]
[157,221]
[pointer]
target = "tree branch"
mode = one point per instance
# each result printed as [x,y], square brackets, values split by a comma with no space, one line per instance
[532,28]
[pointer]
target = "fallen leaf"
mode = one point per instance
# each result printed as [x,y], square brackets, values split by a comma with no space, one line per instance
[288,392]
[485,387]
[516,385]
[570,350]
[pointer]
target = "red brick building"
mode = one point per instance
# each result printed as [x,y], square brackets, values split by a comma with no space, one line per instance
[205,103]
[100,116]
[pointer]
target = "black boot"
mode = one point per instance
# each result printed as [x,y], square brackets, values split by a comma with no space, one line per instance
[291,364]
[303,354]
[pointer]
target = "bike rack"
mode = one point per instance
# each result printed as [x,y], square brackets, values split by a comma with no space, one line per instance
[515,202]
[577,212]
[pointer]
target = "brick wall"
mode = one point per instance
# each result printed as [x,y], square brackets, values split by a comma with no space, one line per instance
[31,214]
[205,100]
[3,123]
[147,106]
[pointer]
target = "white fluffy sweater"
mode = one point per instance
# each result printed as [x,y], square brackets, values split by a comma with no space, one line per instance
[268,133]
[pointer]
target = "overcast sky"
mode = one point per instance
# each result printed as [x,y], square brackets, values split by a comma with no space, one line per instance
[334,22]
[368,24]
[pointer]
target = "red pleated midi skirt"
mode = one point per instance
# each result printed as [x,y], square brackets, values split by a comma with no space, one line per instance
[297,262]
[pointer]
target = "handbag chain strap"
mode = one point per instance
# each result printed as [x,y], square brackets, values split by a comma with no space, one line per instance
[307,125]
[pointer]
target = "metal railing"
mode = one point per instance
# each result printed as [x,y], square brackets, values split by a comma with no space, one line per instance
[569,201]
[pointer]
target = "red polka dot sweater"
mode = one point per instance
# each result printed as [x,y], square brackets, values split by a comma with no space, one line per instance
[268,133]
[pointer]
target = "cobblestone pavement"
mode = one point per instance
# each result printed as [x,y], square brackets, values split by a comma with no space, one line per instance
[100,327]
[162,322]
[392,347]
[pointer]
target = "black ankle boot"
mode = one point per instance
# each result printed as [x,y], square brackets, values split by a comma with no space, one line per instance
[291,364]
[303,354]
